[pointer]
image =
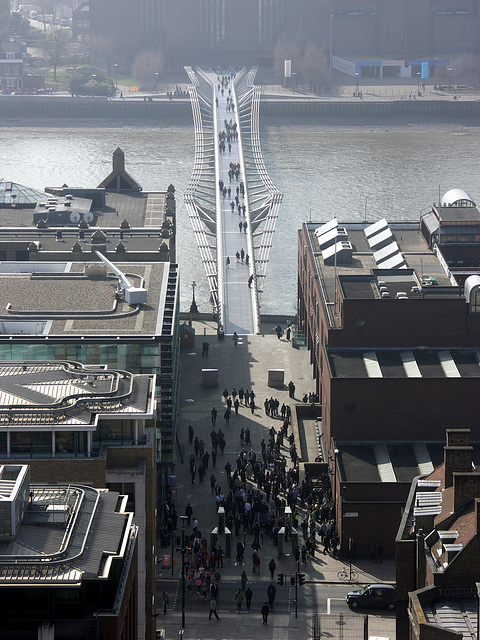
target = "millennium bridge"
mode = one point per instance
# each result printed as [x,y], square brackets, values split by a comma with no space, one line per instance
[231,201]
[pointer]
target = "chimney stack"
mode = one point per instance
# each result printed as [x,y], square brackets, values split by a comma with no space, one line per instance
[458,454]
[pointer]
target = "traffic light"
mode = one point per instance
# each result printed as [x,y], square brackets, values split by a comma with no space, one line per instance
[292,581]
[280,579]
[301,579]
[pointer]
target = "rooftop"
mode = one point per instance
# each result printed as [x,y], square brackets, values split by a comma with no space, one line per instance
[384,259]
[49,394]
[397,462]
[404,363]
[67,535]
[59,299]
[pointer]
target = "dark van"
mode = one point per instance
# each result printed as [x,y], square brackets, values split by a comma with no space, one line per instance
[373,595]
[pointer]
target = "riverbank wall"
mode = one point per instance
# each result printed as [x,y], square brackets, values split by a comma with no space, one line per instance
[156,109]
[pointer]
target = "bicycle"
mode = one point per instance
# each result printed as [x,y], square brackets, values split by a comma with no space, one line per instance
[347,573]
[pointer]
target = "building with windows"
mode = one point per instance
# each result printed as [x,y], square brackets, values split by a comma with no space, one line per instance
[68,560]
[91,425]
[81,22]
[393,338]
[4,19]
[437,547]
[11,66]
[390,38]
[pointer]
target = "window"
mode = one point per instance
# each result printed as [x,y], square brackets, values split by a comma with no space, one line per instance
[10,56]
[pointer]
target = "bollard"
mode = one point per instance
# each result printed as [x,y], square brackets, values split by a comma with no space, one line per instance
[213,537]
[288,517]
[228,543]
[221,519]
[281,538]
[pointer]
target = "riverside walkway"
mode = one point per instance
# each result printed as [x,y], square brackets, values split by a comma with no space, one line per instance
[231,201]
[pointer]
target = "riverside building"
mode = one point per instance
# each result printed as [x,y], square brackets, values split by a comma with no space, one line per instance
[393,337]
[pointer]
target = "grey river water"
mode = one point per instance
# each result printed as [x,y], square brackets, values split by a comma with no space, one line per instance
[327,169]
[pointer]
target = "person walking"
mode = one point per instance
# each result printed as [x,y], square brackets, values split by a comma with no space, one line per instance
[265,611]
[271,567]
[239,599]
[243,579]
[235,338]
[214,416]
[250,280]
[228,261]
[248,597]
[165,601]
[213,609]
[271,593]
[220,556]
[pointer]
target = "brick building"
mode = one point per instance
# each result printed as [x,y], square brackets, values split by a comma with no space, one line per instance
[95,426]
[11,66]
[68,561]
[393,338]
[81,22]
[438,546]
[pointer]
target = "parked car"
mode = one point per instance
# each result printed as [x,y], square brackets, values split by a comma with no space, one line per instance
[373,595]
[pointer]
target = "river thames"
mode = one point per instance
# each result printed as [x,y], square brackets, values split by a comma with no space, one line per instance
[329,168]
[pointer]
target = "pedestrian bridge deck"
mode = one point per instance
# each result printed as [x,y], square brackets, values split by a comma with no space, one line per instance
[233,262]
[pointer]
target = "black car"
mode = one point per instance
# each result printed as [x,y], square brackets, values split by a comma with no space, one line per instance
[373,595]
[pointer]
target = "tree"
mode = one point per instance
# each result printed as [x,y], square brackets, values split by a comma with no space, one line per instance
[315,69]
[91,81]
[48,7]
[287,48]
[19,25]
[54,47]
[146,67]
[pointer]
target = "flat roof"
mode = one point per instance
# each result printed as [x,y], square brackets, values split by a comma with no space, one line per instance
[422,274]
[405,363]
[398,462]
[48,550]
[459,214]
[71,302]
[49,395]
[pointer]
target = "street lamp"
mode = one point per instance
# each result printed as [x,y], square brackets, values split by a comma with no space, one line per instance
[183,550]
[115,66]
[156,81]
[449,69]
[331,49]
[193,306]
[294,77]
[357,78]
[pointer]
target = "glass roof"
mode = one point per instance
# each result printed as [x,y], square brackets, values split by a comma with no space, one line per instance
[17,194]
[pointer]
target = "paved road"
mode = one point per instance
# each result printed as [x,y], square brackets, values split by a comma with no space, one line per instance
[246,365]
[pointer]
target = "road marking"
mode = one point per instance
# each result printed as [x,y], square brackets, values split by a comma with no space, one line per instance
[330,600]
